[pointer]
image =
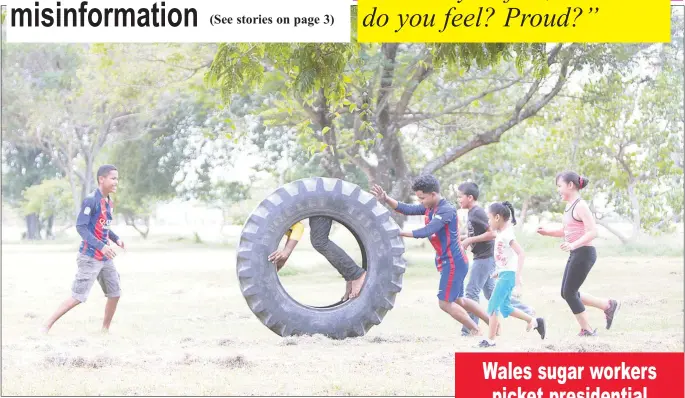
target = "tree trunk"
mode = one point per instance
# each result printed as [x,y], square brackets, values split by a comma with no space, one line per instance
[226,216]
[130,220]
[635,207]
[32,227]
[393,172]
[146,220]
[75,194]
[524,211]
[48,230]
[624,239]
[89,183]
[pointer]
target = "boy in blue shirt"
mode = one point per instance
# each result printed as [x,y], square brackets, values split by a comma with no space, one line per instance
[441,229]
[94,260]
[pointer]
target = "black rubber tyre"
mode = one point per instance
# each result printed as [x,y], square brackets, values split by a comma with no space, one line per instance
[346,203]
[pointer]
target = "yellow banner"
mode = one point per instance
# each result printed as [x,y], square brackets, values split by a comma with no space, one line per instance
[514,21]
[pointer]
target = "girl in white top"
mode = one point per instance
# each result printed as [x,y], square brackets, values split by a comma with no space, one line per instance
[509,258]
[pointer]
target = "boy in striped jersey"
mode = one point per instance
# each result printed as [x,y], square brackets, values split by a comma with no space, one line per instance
[95,255]
[441,229]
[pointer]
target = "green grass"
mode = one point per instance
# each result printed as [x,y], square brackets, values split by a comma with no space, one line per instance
[184,324]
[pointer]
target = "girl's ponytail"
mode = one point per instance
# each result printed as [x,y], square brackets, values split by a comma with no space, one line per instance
[511,209]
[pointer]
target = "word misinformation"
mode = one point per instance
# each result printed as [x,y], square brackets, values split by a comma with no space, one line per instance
[562,374]
[158,15]
[173,21]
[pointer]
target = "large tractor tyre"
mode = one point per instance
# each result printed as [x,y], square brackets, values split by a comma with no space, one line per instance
[369,221]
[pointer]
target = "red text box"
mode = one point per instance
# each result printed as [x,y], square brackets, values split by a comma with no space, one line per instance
[569,375]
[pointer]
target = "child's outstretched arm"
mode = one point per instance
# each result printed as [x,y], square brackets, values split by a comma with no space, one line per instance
[279,257]
[403,208]
[484,237]
[555,233]
[479,220]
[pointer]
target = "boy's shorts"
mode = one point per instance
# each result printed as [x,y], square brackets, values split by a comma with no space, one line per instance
[452,277]
[90,269]
[500,301]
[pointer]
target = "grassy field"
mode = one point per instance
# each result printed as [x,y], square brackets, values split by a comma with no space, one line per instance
[183,328]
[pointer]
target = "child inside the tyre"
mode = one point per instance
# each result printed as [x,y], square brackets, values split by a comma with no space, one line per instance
[294,235]
[320,228]
[441,229]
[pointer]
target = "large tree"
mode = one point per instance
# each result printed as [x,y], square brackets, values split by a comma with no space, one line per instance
[86,97]
[387,107]
[74,110]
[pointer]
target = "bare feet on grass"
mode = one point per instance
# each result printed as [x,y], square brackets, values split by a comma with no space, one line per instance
[475,332]
[356,285]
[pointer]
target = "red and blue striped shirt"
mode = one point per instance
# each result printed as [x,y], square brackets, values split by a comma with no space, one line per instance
[93,224]
[441,229]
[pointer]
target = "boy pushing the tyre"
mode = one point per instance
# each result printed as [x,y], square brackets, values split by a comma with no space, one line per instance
[441,229]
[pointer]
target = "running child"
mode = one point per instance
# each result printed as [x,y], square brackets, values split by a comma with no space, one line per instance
[94,259]
[441,229]
[509,258]
[578,231]
[481,240]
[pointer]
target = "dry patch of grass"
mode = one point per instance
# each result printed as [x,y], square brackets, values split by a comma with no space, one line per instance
[182,323]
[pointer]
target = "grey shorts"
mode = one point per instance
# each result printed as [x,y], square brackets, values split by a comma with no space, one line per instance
[90,269]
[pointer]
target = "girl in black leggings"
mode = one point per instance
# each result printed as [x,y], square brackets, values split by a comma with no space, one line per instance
[578,232]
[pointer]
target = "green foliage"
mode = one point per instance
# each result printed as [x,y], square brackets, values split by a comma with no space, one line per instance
[353,103]
[146,171]
[220,194]
[23,167]
[50,198]
[391,111]
[312,168]
[313,67]
[520,169]
[484,55]
[626,133]
[238,67]
[623,132]
[86,97]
